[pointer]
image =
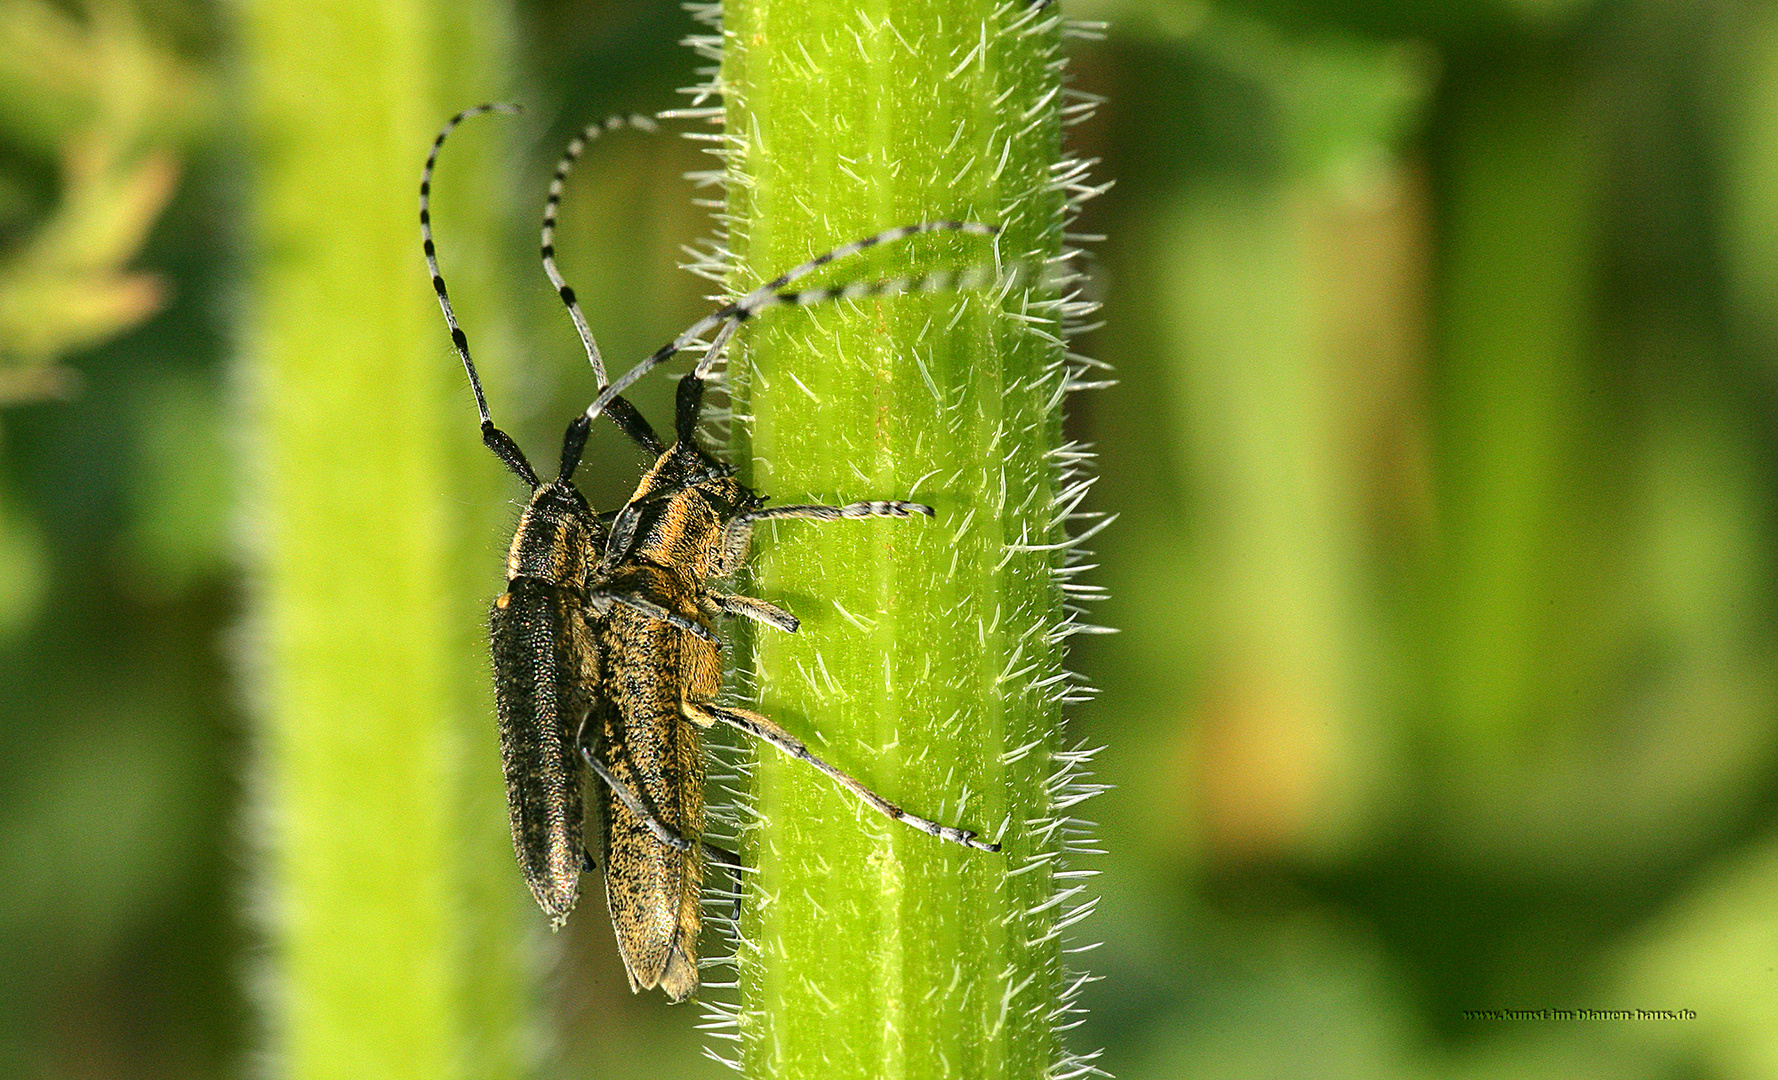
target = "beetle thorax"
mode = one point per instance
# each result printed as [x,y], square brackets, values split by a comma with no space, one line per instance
[554,537]
[685,529]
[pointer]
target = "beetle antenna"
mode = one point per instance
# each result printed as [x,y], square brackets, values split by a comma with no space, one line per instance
[550,207]
[623,413]
[730,316]
[496,440]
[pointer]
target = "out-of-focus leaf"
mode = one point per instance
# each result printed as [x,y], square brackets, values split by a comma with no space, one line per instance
[1342,102]
[1713,955]
[110,205]
[38,382]
[23,568]
[59,73]
[44,314]
[83,846]
[183,487]
[107,98]
[67,290]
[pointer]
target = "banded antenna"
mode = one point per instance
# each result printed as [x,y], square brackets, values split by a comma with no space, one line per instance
[732,315]
[622,413]
[496,440]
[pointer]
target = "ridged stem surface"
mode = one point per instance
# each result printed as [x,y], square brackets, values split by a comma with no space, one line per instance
[929,662]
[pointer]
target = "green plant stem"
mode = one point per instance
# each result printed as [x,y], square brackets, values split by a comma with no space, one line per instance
[384,846]
[1513,358]
[873,950]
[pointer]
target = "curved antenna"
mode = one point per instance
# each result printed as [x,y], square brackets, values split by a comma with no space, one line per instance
[730,316]
[623,413]
[496,440]
[550,207]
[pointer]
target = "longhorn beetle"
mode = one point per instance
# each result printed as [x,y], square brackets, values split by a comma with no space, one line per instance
[604,650]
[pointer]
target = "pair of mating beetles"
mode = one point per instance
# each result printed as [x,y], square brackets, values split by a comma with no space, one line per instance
[604,650]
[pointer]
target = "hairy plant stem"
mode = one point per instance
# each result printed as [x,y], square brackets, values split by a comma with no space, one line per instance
[929,660]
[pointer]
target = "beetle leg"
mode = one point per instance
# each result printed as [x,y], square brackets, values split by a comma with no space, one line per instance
[601,602]
[757,610]
[738,533]
[762,728]
[634,805]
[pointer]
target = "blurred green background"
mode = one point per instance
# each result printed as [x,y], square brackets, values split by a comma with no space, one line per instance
[1445,446]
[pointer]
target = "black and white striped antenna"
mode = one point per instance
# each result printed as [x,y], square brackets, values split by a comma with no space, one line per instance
[727,318]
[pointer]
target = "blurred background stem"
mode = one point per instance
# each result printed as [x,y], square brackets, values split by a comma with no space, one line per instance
[377,794]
